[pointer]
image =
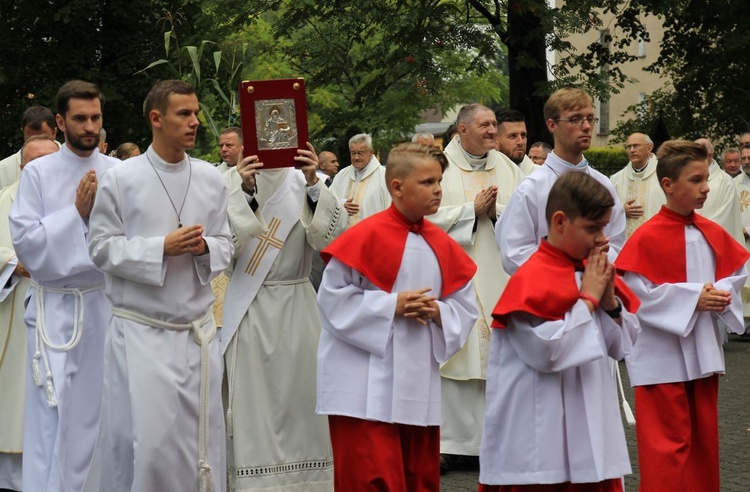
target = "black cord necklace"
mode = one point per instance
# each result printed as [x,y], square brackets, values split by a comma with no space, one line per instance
[190,178]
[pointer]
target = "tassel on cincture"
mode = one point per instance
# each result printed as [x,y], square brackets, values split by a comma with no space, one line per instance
[204,476]
[36,373]
[230,424]
[51,397]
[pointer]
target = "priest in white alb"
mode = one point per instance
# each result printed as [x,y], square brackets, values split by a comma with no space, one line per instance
[637,185]
[361,187]
[476,186]
[14,282]
[279,218]
[67,309]
[160,234]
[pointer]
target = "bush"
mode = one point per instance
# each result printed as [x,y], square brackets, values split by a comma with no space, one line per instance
[607,160]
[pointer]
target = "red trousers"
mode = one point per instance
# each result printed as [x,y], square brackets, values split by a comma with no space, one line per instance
[371,456]
[610,485]
[678,436]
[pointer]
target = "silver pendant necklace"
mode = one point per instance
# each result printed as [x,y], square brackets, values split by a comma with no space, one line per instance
[187,188]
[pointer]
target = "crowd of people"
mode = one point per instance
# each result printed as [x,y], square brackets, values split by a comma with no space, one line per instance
[170,324]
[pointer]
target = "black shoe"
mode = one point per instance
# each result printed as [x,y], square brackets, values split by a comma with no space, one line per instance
[458,462]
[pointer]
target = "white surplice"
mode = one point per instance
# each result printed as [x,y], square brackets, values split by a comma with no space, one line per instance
[375,366]
[49,237]
[152,395]
[642,186]
[527,166]
[552,408]
[463,399]
[523,224]
[742,183]
[10,169]
[721,206]
[369,189]
[679,343]
[12,351]
[278,442]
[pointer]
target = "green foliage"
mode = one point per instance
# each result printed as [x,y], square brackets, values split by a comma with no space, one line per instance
[607,160]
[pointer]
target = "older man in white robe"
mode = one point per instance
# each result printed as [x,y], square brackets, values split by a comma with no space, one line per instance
[637,184]
[67,310]
[279,218]
[361,187]
[14,280]
[476,186]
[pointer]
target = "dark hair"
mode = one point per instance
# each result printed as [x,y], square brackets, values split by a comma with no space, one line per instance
[449,132]
[674,155]
[543,145]
[232,129]
[76,89]
[577,194]
[508,115]
[36,116]
[402,157]
[158,96]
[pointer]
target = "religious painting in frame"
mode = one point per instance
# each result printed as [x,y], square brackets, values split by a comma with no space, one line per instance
[274,120]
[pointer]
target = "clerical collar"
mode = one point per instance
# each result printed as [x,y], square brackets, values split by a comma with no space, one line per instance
[477,162]
[554,161]
[640,170]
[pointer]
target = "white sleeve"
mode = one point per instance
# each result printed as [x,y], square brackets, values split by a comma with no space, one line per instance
[458,313]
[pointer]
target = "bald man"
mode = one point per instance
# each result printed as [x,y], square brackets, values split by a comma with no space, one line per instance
[637,185]
[14,282]
[328,166]
[722,203]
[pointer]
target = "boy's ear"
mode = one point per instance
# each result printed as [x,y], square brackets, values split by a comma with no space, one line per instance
[396,187]
[559,219]
[154,116]
[666,185]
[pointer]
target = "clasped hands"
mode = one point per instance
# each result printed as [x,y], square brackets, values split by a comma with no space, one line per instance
[418,306]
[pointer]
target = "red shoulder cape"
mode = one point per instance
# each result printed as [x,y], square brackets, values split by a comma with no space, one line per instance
[545,287]
[656,250]
[375,247]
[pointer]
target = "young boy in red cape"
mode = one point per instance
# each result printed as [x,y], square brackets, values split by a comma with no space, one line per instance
[552,421]
[396,300]
[688,272]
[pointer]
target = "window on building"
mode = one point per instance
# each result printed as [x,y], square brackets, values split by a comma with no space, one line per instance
[642,45]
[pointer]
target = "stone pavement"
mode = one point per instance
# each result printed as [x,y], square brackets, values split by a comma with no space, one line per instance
[734,428]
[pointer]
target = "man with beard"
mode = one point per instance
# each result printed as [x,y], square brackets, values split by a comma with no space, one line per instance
[67,311]
[477,184]
[569,115]
[512,139]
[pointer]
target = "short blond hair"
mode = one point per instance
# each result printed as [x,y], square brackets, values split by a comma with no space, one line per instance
[566,99]
[401,160]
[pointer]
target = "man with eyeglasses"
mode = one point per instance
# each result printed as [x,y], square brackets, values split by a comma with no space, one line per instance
[361,187]
[744,140]
[637,184]
[721,204]
[730,162]
[569,115]
[538,152]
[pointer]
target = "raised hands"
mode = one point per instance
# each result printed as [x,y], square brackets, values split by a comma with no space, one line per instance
[86,193]
[598,279]
[485,202]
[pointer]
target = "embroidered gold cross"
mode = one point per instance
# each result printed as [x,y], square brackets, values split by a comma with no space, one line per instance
[266,239]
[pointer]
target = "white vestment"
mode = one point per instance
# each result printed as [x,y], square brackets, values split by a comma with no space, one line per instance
[742,183]
[642,186]
[463,403]
[12,351]
[527,166]
[373,365]
[277,442]
[10,169]
[552,409]
[369,190]
[679,343]
[152,396]
[523,224]
[722,204]
[49,237]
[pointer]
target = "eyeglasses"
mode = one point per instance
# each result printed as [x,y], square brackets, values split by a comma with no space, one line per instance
[578,120]
[633,146]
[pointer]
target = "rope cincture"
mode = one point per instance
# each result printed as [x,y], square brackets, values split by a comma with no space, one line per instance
[42,341]
[205,478]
